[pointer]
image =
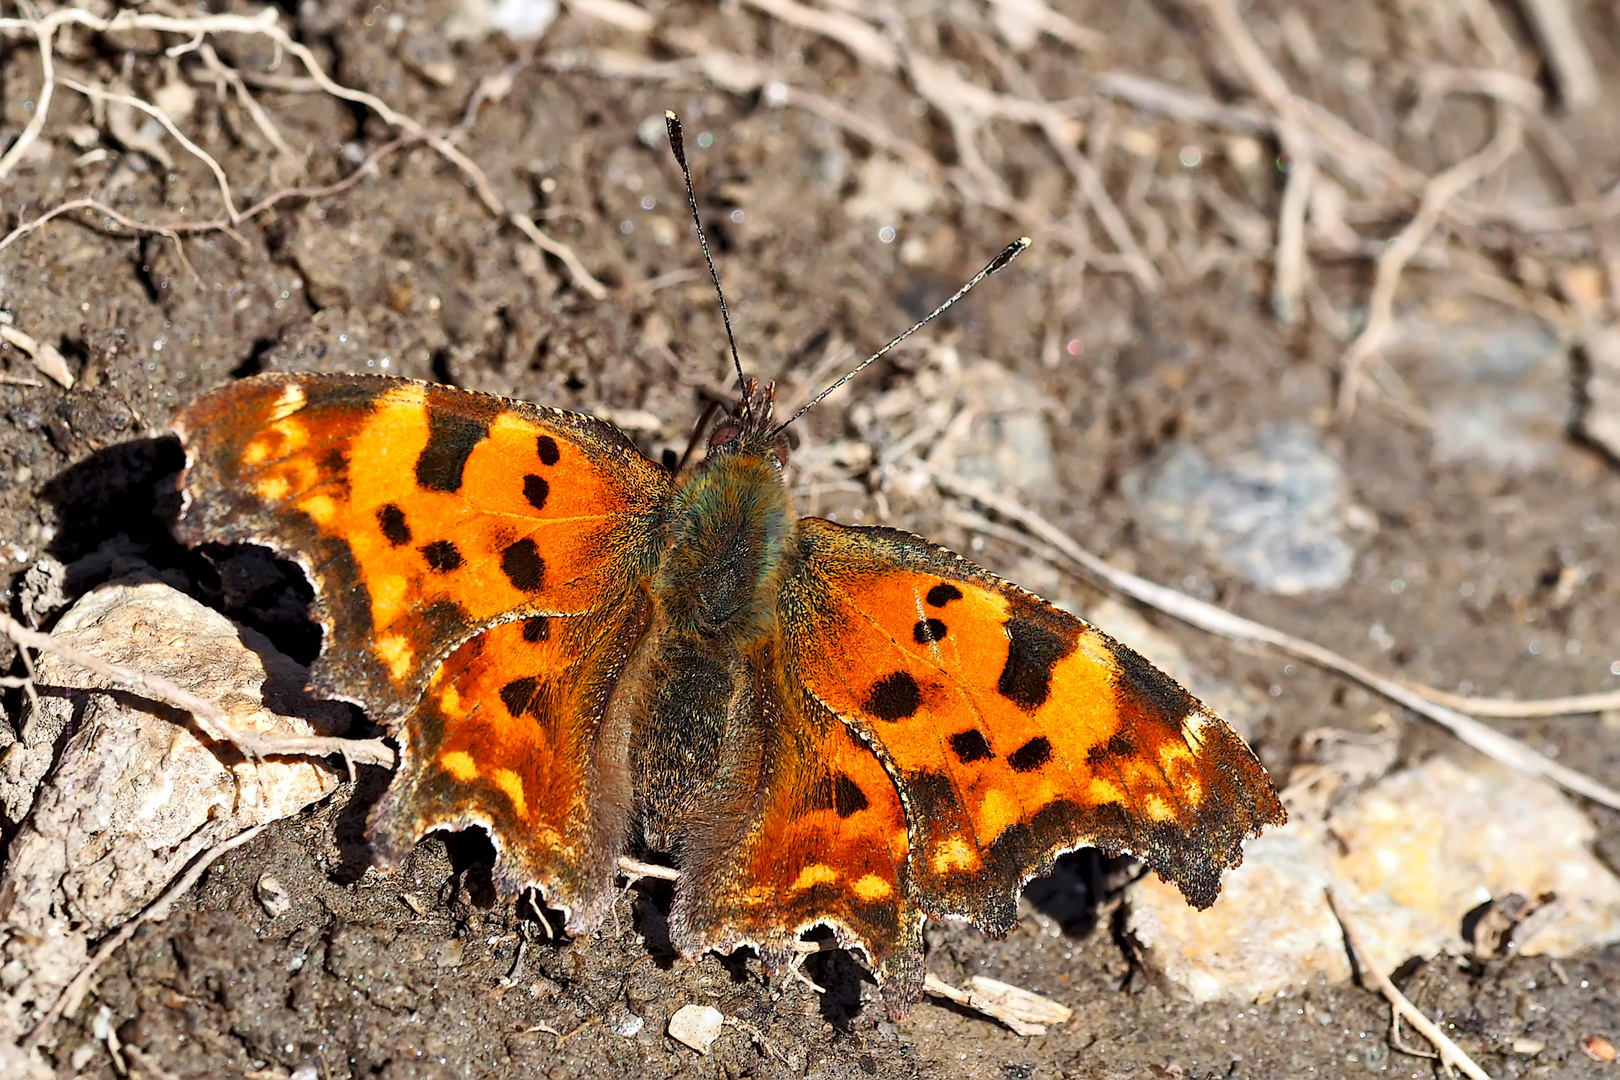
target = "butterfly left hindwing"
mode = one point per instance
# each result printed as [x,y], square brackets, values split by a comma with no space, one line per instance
[422,513]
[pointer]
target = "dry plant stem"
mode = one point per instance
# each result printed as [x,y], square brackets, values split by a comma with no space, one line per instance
[1153,96]
[1292,259]
[156,911]
[635,868]
[861,38]
[1567,54]
[1510,708]
[47,359]
[168,125]
[264,24]
[934,985]
[173,229]
[1450,1053]
[261,119]
[1208,617]
[211,719]
[1297,144]
[45,32]
[1436,194]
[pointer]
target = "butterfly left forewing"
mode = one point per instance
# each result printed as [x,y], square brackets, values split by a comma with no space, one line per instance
[421,513]
[1013,730]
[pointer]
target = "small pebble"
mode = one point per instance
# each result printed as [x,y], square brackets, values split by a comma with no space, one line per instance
[1598,1048]
[696,1026]
[273,896]
[1528,1047]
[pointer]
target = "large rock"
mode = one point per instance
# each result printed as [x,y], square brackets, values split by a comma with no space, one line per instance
[1408,860]
[117,794]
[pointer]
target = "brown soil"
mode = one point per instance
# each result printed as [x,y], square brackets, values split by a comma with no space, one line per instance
[418,973]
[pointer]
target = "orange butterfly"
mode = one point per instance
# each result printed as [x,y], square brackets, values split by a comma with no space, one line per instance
[574,645]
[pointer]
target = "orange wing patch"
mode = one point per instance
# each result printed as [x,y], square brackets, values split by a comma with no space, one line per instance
[1014,731]
[514,734]
[422,513]
[825,842]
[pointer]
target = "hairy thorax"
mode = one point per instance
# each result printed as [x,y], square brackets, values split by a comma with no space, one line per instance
[732,537]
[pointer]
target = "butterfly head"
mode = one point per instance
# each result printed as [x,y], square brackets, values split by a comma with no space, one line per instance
[749,427]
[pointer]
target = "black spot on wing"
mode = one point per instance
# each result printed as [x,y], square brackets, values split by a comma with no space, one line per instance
[518,695]
[536,629]
[523,566]
[894,697]
[536,490]
[546,448]
[1118,747]
[1032,755]
[442,556]
[942,594]
[452,437]
[394,527]
[970,746]
[929,631]
[1036,641]
[848,798]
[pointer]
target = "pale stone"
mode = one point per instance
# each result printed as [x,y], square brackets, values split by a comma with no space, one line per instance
[696,1026]
[132,795]
[1270,929]
[1406,860]
[1426,846]
[1272,513]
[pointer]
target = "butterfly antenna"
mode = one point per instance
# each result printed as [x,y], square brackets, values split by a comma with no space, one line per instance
[677,143]
[1008,254]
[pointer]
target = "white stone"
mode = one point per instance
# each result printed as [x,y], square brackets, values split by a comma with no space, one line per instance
[1427,845]
[1270,929]
[696,1026]
[1406,860]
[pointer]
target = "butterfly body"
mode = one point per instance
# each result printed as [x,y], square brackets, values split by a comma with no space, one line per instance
[731,539]
[576,649]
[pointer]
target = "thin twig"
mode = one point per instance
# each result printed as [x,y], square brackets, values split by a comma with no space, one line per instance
[261,119]
[1567,54]
[45,32]
[635,868]
[1509,708]
[168,125]
[1450,1053]
[264,23]
[1436,194]
[1208,617]
[156,911]
[1151,95]
[174,228]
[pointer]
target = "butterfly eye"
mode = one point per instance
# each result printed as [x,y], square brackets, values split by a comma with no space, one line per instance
[726,432]
[782,452]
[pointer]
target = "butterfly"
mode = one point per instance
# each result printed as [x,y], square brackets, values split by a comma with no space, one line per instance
[578,648]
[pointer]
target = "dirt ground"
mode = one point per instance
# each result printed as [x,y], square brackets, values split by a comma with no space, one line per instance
[1474,571]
